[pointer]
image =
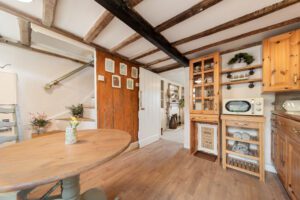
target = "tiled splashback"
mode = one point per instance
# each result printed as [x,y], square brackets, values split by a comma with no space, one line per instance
[280,98]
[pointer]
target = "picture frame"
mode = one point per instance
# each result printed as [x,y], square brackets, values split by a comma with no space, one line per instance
[109,65]
[130,84]
[123,69]
[116,81]
[134,72]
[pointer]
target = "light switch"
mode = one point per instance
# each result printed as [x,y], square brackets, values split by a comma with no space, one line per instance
[100,78]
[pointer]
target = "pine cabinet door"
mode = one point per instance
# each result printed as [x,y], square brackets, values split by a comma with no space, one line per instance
[281,158]
[293,172]
[281,62]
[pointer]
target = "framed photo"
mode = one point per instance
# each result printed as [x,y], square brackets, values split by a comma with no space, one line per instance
[109,65]
[134,72]
[130,84]
[123,69]
[116,81]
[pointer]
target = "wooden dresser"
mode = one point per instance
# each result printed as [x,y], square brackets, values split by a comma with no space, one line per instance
[286,151]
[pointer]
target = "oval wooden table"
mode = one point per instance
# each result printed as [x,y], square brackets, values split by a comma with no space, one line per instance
[48,159]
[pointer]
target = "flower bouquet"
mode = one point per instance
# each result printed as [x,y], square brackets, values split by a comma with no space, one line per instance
[39,122]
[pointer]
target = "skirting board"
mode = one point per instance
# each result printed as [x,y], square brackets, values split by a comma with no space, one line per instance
[148,140]
[132,146]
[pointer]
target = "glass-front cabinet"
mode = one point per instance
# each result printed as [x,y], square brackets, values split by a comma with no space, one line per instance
[205,84]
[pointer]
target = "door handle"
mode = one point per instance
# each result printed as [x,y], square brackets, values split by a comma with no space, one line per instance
[141,101]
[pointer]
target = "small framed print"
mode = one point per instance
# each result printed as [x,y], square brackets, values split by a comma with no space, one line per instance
[134,72]
[123,69]
[116,81]
[109,65]
[130,84]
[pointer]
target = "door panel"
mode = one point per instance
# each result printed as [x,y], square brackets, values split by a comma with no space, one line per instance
[149,108]
[293,172]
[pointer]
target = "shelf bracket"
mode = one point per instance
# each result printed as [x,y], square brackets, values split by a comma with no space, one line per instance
[228,87]
[251,85]
[229,75]
[251,72]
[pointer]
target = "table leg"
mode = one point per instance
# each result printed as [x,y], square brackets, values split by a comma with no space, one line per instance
[71,188]
[9,196]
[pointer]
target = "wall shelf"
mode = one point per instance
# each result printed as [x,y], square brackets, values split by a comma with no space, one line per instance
[243,81]
[241,69]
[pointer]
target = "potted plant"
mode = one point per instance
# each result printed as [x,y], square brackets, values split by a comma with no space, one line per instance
[76,111]
[39,122]
[241,60]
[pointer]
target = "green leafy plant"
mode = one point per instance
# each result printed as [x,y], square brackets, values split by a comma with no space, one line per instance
[241,57]
[181,103]
[76,111]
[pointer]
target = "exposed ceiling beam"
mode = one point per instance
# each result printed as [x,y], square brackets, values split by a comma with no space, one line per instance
[38,22]
[145,54]
[99,26]
[15,44]
[126,42]
[103,21]
[158,61]
[241,36]
[49,12]
[244,35]
[167,68]
[25,32]
[196,9]
[238,21]
[241,47]
[141,26]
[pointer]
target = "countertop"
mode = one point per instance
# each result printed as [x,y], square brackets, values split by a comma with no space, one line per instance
[292,116]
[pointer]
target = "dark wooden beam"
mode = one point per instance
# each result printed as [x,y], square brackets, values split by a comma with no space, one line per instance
[241,20]
[241,36]
[196,9]
[37,21]
[49,7]
[141,26]
[19,45]
[166,68]
[25,32]
[103,21]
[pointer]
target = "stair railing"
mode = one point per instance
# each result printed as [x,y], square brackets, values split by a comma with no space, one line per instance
[48,86]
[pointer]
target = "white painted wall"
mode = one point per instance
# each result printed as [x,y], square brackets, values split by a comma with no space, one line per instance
[34,70]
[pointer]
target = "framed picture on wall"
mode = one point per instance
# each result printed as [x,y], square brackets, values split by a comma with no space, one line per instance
[123,69]
[116,81]
[109,65]
[130,84]
[134,72]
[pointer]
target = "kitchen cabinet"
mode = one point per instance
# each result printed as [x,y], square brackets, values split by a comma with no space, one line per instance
[205,84]
[281,62]
[285,153]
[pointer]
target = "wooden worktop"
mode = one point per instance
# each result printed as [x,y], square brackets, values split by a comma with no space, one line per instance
[287,115]
[48,159]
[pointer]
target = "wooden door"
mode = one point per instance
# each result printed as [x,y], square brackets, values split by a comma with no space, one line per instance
[281,62]
[281,157]
[294,170]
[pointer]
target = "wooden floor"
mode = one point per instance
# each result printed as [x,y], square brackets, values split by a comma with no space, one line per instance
[164,170]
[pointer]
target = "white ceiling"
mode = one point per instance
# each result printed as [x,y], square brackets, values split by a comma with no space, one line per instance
[78,16]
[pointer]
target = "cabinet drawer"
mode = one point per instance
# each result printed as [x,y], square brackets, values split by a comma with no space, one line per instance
[235,123]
